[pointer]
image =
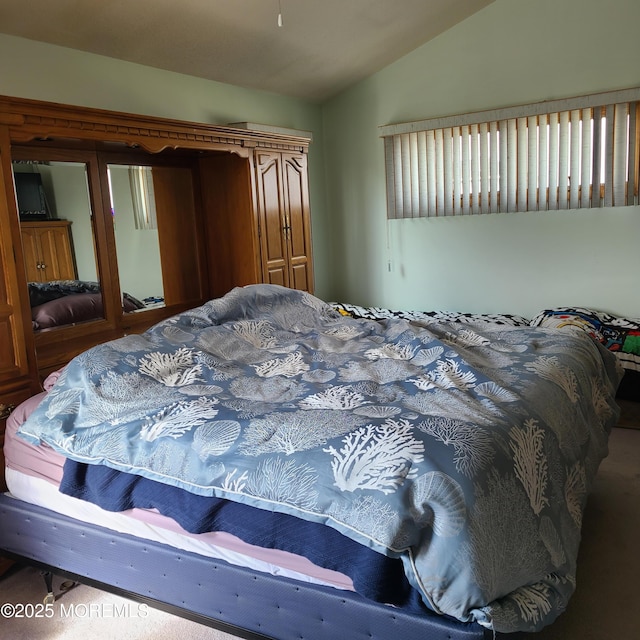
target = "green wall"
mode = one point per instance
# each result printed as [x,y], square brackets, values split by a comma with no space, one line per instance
[512,52]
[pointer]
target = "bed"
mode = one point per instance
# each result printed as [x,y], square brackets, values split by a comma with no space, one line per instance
[296,469]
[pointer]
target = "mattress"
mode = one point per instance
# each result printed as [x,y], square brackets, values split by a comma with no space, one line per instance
[33,475]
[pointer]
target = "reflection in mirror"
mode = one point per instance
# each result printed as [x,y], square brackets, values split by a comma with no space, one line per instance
[133,209]
[57,238]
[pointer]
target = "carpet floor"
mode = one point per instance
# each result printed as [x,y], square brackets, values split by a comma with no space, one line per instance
[602,608]
[604,604]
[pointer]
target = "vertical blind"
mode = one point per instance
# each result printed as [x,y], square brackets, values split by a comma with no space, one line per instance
[143,197]
[563,154]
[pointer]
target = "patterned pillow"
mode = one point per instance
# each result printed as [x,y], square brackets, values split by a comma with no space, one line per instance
[619,335]
[378,313]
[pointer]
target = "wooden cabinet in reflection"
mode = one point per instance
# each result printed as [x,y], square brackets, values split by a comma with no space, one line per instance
[48,250]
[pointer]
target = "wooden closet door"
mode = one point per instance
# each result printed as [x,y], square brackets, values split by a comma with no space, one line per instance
[48,252]
[273,241]
[283,208]
[18,377]
[297,221]
[57,255]
[31,248]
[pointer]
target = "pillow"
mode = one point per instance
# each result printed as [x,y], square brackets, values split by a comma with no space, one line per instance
[51,379]
[378,313]
[131,303]
[77,307]
[41,292]
[619,335]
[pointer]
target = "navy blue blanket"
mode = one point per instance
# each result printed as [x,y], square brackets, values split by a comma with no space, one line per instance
[375,576]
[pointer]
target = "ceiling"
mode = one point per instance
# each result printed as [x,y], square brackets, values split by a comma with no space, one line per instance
[322,47]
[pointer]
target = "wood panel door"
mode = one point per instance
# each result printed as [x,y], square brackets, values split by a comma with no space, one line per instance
[17,357]
[271,218]
[283,214]
[48,251]
[297,221]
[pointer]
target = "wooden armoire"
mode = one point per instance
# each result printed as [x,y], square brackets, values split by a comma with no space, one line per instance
[232,208]
[48,250]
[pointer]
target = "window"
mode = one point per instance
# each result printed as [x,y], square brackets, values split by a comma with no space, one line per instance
[562,154]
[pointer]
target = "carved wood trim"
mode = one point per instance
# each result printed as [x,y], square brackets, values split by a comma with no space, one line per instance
[30,120]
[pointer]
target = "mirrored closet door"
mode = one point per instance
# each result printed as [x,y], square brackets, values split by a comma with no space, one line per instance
[58,232]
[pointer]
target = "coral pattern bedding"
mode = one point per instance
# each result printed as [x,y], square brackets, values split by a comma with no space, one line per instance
[467,450]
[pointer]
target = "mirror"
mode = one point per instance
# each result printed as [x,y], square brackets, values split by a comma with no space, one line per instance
[135,225]
[101,226]
[58,242]
[156,233]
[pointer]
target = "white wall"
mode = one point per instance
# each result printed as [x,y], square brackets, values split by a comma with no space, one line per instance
[138,250]
[70,193]
[40,71]
[512,52]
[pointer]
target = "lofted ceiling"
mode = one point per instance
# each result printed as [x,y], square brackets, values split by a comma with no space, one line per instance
[322,47]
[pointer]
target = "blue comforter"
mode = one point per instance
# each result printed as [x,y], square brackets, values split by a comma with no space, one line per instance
[465,450]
